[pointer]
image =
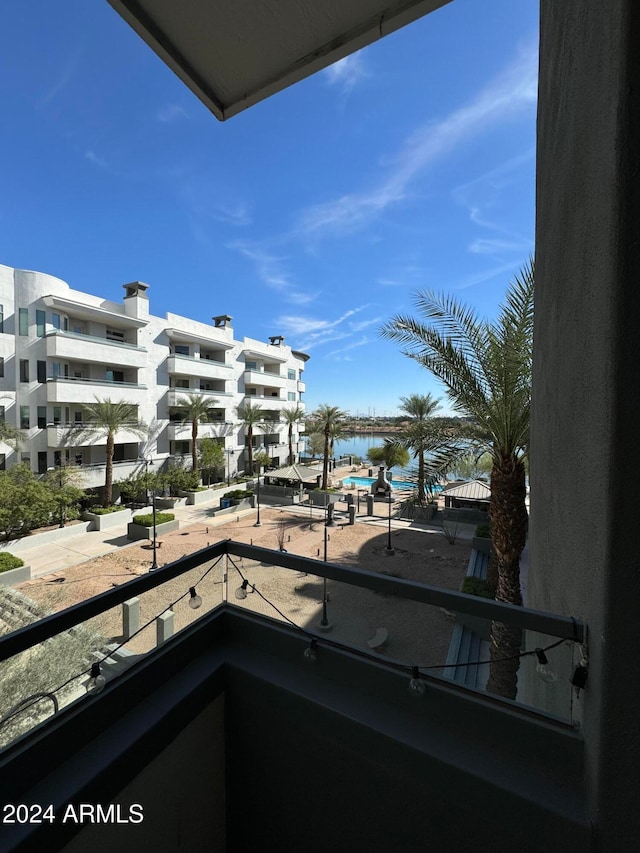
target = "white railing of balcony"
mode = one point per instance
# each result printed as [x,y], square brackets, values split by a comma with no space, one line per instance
[82,337]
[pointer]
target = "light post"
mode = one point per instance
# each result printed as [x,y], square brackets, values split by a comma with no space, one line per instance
[389,550]
[147,462]
[325,625]
[258,524]
[229,451]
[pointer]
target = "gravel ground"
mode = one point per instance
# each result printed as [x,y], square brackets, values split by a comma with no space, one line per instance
[417,634]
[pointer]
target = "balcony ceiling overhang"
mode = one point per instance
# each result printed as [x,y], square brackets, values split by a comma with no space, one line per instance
[92,312]
[234,53]
[179,336]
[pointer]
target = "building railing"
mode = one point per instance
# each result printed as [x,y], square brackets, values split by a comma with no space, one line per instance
[235,553]
[214,361]
[110,382]
[80,336]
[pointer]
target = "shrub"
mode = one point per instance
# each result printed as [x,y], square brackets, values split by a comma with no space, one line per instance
[8,562]
[477,586]
[483,531]
[147,520]
[238,494]
[105,510]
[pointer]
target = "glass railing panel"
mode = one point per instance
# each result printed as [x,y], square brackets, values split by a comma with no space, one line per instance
[51,675]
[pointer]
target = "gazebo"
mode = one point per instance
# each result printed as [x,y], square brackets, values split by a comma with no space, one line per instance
[294,475]
[474,494]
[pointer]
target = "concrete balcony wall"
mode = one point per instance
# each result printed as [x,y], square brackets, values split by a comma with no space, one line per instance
[301,387]
[174,394]
[203,368]
[85,348]
[182,432]
[60,436]
[67,390]
[262,378]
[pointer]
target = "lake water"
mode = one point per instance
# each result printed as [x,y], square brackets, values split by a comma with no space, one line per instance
[358,445]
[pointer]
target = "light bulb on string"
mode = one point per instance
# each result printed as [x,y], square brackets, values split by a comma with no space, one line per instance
[311,652]
[97,681]
[241,592]
[417,686]
[545,673]
[195,600]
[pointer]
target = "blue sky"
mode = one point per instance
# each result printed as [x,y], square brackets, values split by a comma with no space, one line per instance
[316,214]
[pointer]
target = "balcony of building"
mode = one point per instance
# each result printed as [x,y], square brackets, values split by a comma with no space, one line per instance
[246,708]
[176,394]
[266,396]
[71,389]
[74,346]
[215,428]
[198,366]
[261,378]
[66,434]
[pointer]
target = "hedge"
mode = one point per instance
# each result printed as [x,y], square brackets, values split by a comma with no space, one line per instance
[147,520]
[8,562]
[105,510]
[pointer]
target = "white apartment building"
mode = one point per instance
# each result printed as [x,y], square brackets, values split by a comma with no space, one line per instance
[62,348]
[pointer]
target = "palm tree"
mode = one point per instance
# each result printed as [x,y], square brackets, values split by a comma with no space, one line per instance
[108,417]
[195,410]
[486,369]
[292,416]
[420,436]
[10,435]
[328,420]
[252,416]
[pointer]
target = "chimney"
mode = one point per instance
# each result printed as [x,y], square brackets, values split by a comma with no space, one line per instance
[136,301]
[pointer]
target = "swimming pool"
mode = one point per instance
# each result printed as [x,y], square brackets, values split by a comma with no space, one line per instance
[367,482]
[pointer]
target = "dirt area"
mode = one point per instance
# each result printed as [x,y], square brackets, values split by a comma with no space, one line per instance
[417,634]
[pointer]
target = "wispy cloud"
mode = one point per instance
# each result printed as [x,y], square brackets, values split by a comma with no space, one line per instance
[336,354]
[484,196]
[92,157]
[61,80]
[233,214]
[273,271]
[345,73]
[171,112]
[310,332]
[509,93]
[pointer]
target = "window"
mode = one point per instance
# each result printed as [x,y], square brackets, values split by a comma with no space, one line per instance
[1,318]
[23,321]
[42,462]
[291,396]
[57,414]
[1,367]
[291,374]
[26,457]
[42,417]
[55,320]
[252,392]
[42,371]
[115,335]
[182,383]
[79,459]
[181,349]
[24,370]
[24,417]
[251,365]
[77,416]
[118,453]
[115,376]
[41,322]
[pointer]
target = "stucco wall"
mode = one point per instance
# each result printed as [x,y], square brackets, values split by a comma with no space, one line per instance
[585,453]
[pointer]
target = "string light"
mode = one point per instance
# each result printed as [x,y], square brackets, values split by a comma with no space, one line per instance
[417,686]
[241,592]
[195,601]
[97,681]
[545,673]
[311,653]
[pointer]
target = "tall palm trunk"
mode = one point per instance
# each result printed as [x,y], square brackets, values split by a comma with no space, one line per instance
[421,494]
[325,459]
[250,449]
[108,480]
[194,450]
[508,517]
[290,444]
